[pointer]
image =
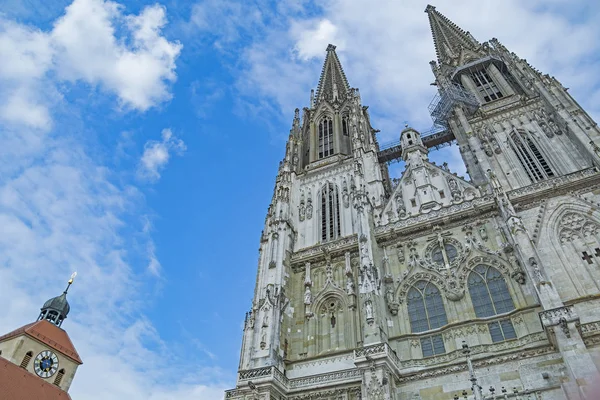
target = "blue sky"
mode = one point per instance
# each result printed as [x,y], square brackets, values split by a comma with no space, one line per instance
[139,142]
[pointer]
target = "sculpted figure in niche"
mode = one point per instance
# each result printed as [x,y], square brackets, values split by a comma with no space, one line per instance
[369,309]
[307,296]
[350,286]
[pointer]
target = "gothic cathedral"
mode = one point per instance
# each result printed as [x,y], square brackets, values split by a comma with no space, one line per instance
[431,286]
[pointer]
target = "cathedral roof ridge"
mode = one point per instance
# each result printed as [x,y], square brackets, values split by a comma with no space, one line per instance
[448,37]
[332,82]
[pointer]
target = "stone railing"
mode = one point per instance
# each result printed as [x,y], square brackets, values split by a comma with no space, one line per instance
[377,351]
[551,183]
[330,247]
[338,376]
[264,372]
[477,203]
[556,316]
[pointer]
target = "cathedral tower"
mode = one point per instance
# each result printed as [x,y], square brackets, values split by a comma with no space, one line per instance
[38,360]
[432,285]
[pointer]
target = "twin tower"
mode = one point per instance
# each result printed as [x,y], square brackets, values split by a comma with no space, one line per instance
[433,287]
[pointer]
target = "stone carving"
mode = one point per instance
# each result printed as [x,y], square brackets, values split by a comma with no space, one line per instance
[392,304]
[309,206]
[558,316]
[574,226]
[400,207]
[369,312]
[307,296]
[454,189]
[345,194]
[302,208]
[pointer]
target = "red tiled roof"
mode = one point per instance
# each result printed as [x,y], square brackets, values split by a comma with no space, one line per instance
[18,384]
[49,334]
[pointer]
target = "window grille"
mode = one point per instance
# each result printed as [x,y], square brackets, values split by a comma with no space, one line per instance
[426,311]
[59,377]
[26,359]
[485,85]
[325,137]
[330,213]
[530,157]
[490,296]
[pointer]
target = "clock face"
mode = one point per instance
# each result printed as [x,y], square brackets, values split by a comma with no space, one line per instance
[45,364]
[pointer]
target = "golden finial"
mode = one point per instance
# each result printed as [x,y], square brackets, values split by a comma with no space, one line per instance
[70,282]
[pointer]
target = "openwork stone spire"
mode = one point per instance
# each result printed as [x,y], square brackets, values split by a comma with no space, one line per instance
[333,84]
[448,38]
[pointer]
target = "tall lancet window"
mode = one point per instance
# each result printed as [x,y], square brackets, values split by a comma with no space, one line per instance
[426,312]
[490,296]
[345,125]
[325,137]
[531,158]
[485,85]
[330,213]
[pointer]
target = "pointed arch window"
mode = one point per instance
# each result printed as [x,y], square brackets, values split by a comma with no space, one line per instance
[26,359]
[490,296]
[325,137]
[426,311]
[345,125]
[330,213]
[530,157]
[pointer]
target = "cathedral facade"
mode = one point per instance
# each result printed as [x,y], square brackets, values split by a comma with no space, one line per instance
[431,286]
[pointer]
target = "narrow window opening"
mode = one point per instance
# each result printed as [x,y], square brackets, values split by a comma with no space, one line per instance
[530,157]
[26,359]
[330,213]
[442,194]
[486,86]
[345,127]
[325,137]
[413,202]
[59,377]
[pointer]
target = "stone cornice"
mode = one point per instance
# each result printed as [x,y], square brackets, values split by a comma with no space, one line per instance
[554,187]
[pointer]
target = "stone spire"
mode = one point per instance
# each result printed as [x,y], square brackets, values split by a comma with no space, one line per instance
[448,38]
[333,84]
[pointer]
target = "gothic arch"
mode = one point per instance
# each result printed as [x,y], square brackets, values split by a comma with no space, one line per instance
[573,230]
[333,325]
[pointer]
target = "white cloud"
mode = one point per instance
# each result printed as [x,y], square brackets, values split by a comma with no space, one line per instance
[157,153]
[61,209]
[136,65]
[312,37]
[386,47]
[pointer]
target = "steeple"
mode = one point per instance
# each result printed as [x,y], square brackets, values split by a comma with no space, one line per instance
[333,84]
[448,38]
[57,308]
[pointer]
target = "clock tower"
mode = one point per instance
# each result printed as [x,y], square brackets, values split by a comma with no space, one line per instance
[38,360]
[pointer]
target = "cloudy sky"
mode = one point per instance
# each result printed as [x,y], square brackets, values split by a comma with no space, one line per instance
[139,141]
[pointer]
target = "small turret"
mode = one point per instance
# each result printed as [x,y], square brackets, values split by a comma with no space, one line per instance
[57,308]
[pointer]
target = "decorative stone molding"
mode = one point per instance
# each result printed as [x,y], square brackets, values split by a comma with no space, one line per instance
[497,359]
[556,316]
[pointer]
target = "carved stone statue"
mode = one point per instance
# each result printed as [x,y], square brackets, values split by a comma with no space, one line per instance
[307,296]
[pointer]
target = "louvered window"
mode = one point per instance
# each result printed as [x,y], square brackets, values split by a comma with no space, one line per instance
[330,213]
[26,359]
[487,87]
[59,377]
[530,157]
